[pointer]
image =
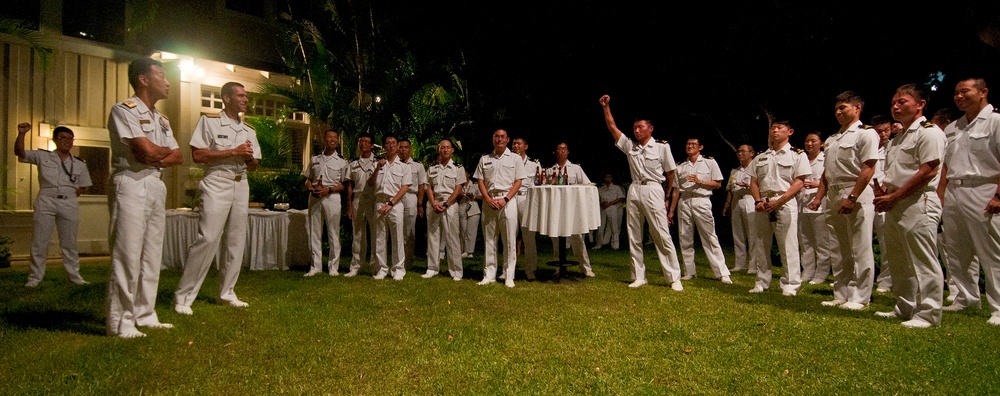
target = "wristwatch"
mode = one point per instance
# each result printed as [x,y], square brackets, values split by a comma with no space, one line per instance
[852,198]
[505,199]
[389,202]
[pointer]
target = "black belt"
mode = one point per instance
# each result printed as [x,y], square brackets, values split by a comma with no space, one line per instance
[62,196]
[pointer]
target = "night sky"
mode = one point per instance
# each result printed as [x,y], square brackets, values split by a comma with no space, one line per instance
[703,69]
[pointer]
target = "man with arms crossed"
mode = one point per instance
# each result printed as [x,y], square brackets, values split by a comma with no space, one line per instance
[499,175]
[61,178]
[971,199]
[851,157]
[226,148]
[325,180]
[913,211]
[696,178]
[650,164]
[142,144]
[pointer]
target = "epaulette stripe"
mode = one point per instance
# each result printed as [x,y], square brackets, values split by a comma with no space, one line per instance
[213,115]
[128,103]
[927,124]
[249,126]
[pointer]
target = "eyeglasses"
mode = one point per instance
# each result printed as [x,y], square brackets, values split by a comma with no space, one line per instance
[64,137]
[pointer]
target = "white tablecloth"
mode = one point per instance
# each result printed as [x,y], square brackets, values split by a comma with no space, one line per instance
[274,239]
[563,210]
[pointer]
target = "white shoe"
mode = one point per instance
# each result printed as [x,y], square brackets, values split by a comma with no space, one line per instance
[951,297]
[677,286]
[503,275]
[397,278]
[486,282]
[739,269]
[887,314]
[183,309]
[379,276]
[350,274]
[832,303]
[590,274]
[456,278]
[916,324]
[466,255]
[994,320]
[159,326]
[687,277]
[789,293]
[237,303]
[132,334]
[80,282]
[311,272]
[509,283]
[816,282]
[853,306]
[334,273]
[953,308]
[32,283]
[726,280]
[429,274]
[882,290]
[637,283]
[757,289]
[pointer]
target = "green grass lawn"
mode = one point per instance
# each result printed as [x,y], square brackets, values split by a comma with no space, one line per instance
[324,335]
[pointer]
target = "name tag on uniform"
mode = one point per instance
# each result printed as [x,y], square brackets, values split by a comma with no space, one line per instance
[143,122]
[222,136]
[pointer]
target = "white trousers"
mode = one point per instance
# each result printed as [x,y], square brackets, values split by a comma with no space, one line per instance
[503,222]
[328,210]
[389,229]
[528,237]
[695,213]
[851,254]
[444,226]
[578,251]
[814,240]
[972,237]
[884,279]
[363,226]
[470,229]
[611,226]
[223,208]
[745,242]
[785,230]
[64,215]
[136,202]
[409,202]
[911,243]
[646,203]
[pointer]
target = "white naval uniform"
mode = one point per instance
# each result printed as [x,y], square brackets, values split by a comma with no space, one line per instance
[363,203]
[694,212]
[851,255]
[531,168]
[441,183]
[470,218]
[225,195]
[409,201]
[884,278]
[611,216]
[973,159]
[648,164]
[332,171]
[393,176]
[56,205]
[774,172]
[574,176]
[911,224]
[136,199]
[745,243]
[814,234]
[498,174]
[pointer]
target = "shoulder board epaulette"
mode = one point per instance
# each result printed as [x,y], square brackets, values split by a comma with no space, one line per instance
[866,126]
[996,109]
[926,124]
[457,164]
[128,103]
[79,159]
[798,150]
[164,116]
[662,141]
[249,126]
[213,115]
[44,150]
[710,158]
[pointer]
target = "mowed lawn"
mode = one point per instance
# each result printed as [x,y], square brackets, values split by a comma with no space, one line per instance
[325,335]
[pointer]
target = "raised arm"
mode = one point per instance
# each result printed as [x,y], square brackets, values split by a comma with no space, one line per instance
[609,119]
[22,129]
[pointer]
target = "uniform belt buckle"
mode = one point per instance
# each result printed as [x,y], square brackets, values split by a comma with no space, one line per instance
[61,196]
[238,178]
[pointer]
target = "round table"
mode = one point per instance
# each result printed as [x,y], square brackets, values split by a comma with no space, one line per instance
[562,211]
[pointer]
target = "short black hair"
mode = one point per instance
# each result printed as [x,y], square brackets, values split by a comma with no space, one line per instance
[786,123]
[227,88]
[916,91]
[850,97]
[61,129]
[881,119]
[366,135]
[401,139]
[139,67]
